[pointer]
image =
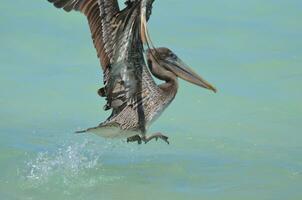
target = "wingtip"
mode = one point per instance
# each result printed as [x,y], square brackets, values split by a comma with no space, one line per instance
[215,90]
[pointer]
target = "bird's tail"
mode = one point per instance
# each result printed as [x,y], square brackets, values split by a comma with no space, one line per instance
[82,131]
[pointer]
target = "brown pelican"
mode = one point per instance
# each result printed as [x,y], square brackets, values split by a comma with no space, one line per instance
[119,37]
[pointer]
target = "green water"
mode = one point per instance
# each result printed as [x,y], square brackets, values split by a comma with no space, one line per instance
[243,143]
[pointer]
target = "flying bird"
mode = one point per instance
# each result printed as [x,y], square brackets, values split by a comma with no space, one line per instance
[130,62]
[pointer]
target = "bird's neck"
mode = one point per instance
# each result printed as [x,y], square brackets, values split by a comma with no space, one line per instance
[170,87]
[171,83]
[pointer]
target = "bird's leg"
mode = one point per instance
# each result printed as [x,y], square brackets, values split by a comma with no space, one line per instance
[135,138]
[155,136]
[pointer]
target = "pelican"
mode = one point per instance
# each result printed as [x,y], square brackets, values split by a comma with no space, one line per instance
[129,61]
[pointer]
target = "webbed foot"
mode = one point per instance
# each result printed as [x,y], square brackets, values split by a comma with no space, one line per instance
[135,138]
[156,136]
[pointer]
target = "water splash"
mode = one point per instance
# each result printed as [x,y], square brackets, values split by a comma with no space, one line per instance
[65,165]
[69,158]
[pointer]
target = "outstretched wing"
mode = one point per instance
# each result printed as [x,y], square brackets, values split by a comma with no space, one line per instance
[113,29]
[101,15]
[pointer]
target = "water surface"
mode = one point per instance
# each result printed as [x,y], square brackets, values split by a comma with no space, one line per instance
[242,143]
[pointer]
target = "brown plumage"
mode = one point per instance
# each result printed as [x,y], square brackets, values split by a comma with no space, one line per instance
[132,94]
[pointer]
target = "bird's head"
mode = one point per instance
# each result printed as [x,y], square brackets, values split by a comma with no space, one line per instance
[170,61]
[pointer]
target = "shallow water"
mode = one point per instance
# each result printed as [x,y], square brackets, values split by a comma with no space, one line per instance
[242,143]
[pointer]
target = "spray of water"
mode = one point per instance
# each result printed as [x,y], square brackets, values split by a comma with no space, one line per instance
[75,164]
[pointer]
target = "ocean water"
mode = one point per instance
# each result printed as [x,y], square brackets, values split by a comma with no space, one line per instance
[245,142]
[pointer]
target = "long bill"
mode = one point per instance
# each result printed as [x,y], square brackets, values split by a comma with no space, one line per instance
[144,33]
[184,72]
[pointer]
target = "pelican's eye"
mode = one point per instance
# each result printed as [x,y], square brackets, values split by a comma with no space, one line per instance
[172,55]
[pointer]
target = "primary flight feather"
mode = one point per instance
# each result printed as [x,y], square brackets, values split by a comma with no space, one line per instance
[119,37]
